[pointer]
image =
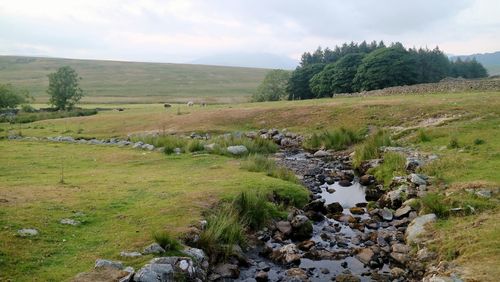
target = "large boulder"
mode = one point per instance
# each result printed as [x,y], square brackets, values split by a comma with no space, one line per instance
[417,228]
[165,269]
[288,254]
[237,150]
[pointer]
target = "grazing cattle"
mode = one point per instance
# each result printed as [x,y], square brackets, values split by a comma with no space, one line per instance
[167,105]
[203,104]
[190,103]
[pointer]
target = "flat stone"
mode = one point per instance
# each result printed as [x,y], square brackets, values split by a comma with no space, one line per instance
[130,254]
[69,221]
[400,248]
[402,211]
[321,154]
[27,232]
[357,210]
[417,179]
[386,214]
[284,227]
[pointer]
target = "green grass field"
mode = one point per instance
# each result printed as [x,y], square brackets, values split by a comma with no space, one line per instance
[125,196]
[124,189]
[132,82]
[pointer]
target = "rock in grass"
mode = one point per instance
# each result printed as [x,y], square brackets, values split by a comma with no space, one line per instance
[69,221]
[27,232]
[237,150]
[417,179]
[130,254]
[417,228]
[321,154]
[154,248]
[108,263]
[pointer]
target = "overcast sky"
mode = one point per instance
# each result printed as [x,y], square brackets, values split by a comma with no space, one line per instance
[183,30]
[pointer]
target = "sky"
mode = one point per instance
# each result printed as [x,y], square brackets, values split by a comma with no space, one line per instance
[184,30]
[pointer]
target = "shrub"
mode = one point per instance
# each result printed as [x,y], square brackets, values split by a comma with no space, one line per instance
[337,139]
[370,148]
[223,230]
[27,108]
[393,164]
[167,241]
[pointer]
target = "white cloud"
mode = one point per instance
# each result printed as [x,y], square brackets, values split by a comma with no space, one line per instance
[180,30]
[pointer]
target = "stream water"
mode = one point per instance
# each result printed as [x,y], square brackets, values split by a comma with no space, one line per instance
[338,238]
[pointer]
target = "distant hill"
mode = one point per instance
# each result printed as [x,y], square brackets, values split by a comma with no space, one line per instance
[253,60]
[113,81]
[491,61]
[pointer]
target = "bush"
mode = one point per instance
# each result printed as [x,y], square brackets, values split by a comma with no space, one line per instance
[223,230]
[27,108]
[394,164]
[260,163]
[478,141]
[370,148]
[337,139]
[167,241]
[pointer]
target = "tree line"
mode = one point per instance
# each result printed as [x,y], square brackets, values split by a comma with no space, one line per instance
[366,66]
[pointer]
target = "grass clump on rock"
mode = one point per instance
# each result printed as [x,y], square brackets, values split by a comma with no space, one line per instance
[393,165]
[167,241]
[254,146]
[254,209]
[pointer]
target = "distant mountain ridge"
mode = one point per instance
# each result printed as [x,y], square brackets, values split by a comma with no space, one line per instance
[491,61]
[250,60]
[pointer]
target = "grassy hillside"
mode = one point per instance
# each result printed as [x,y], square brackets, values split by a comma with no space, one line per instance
[111,81]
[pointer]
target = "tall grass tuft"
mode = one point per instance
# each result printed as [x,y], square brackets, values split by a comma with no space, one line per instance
[224,229]
[394,164]
[337,139]
[254,209]
[370,148]
[423,136]
[254,146]
[167,241]
[260,163]
[435,203]
[195,145]
[169,142]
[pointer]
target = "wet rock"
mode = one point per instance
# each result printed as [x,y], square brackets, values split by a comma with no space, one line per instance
[284,227]
[330,181]
[296,274]
[130,254]
[27,232]
[301,227]
[417,228]
[397,272]
[346,277]
[357,210]
[334,208]
[365,255]
[316,205]
[402,211]
[346,218]
[386,214]
[366,180]
[237,150]
[69,221]
[227,270]
[154,248]
[321,154]
[345,183]
[306,245]
[262,276]
[288,254]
